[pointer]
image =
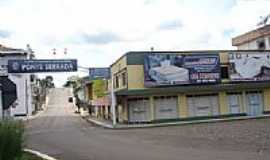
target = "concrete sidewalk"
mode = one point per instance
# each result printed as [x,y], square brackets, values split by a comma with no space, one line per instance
[39,113]
[108,124]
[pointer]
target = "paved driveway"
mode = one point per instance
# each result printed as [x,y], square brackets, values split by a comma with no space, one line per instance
[61,133]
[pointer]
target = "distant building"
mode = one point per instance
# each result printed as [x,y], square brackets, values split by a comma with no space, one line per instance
[258,39]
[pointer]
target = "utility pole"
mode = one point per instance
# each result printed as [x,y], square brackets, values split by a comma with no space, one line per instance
[113,100]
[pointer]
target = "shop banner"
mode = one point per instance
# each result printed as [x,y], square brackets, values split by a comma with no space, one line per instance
[249,66]
[173,69]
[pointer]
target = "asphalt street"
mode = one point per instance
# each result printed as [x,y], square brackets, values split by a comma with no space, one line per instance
[61,133]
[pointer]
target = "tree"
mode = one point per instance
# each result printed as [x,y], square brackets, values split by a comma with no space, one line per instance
[99,87]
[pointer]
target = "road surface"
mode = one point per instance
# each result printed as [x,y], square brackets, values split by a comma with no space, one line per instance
[61,133]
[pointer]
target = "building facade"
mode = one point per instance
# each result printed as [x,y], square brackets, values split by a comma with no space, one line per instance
[255,39]
[159,86]
[23,105]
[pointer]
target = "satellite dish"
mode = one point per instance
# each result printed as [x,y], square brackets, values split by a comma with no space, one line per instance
[264,20]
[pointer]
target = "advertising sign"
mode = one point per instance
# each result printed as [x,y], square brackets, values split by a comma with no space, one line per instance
[173,69]
[249,66]
[44,65]
[103,73]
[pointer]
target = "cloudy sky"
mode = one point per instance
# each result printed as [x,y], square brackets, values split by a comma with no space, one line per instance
[97,32]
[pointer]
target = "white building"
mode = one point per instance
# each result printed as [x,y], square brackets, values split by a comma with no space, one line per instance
[258,39]
[23,105]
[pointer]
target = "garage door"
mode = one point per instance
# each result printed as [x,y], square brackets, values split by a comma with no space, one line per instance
[234,101]
[203,105]
[254,103]
[166,107]
[139,110]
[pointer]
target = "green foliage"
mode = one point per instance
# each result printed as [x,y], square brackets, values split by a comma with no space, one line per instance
[11,140]
[28,156]
[99,87]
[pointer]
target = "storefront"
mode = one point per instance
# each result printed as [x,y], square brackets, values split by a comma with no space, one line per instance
[139,110]
[203,105]
[234,101]
[166,107]
[254,103]
[186,85]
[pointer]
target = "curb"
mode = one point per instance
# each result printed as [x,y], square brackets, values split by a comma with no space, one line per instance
[99,123]
[41,155]
[120,126]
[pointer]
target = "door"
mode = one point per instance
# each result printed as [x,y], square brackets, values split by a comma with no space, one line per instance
[166,107]
[203,105]
[254,103]
[139,110]
[234,102]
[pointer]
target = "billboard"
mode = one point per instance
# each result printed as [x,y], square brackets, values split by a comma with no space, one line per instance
[249,66]
[173,69]
[96,73]
[42,65]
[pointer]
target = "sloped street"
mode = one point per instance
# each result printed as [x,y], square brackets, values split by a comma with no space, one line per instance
[61,133]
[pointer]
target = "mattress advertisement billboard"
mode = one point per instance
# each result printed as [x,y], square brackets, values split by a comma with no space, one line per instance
[249,66]
[173,69]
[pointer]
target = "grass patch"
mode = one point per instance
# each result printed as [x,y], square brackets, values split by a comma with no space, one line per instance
[29,156]
[11,140]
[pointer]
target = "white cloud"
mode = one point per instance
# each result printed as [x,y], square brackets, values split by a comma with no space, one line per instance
[112,28]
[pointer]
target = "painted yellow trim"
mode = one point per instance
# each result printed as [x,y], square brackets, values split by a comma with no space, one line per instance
[120,113]
[182,106]
[243,107]
[121,64]
[266,98]
[223,103]
[135,75]
[224,57]
[120,80]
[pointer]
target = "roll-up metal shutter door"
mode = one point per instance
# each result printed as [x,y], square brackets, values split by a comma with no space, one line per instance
[139,110]
[234,102]
[203,105]
[166,107]
[254,103]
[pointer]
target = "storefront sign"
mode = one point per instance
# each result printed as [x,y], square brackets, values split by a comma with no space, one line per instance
[249,66]
[96,73]
[48,65]
[173,69]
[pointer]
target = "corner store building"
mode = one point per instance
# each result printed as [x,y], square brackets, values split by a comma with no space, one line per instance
[137,102]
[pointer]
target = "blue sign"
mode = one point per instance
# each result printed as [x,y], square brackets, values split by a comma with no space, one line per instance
[203,68]
[174,69]
[96,73]
[44,65]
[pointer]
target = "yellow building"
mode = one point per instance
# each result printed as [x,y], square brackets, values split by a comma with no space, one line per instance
[184,85]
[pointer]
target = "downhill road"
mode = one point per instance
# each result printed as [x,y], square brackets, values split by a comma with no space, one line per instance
[61,133]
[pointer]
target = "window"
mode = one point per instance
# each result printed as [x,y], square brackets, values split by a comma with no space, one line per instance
[32,78]
[261,44]
[124,78]
[224,72]
[116,82]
